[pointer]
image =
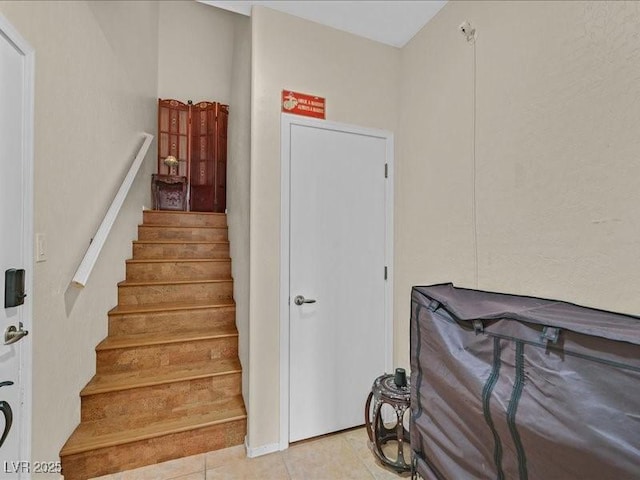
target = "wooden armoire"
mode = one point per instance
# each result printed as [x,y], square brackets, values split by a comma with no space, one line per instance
[196,135]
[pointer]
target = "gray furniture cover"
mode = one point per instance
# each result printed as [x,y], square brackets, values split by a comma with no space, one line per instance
[508,387]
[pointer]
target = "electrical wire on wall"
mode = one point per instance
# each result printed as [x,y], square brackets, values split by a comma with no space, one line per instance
[469,33]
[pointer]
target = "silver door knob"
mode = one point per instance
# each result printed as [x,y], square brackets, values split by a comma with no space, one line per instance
[299,300]
[13,334]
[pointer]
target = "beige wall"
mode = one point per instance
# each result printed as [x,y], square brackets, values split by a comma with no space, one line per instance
[558,102]
[238,185]
[96,80]
[359,79]
[196,51]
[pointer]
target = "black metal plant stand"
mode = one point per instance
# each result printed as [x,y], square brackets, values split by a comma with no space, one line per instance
[394,391]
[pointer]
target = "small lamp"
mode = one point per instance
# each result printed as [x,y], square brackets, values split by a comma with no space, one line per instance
[172,163]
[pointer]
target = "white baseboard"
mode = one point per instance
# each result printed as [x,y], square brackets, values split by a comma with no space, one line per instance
[253,452]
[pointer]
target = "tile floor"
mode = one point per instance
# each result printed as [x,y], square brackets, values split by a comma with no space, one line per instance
[341,456]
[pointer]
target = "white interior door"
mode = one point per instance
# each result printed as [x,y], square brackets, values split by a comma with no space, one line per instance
[15,234]
[337,242]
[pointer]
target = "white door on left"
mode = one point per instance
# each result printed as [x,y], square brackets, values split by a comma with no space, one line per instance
[15,233]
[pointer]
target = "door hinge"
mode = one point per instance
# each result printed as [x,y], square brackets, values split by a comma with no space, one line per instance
[386,170]
[385,272]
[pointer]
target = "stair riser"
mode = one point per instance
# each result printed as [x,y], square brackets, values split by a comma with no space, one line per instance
[163,271]
[160,398]
[183,220]
[177,321]
[155,450]
[180,250]
[208,234]
[172,293]
[153,356]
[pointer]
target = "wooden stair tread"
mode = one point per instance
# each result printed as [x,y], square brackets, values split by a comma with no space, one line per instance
[169,307]
[161,338]
[115,431]
[182,212]
[111,382]
[126,283]
[180,241]
[185,227]
[174,260]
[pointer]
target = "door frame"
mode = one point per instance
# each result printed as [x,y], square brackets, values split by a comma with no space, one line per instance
[26,358]
[287,121]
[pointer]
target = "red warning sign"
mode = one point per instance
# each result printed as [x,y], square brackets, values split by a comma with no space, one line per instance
[303,104]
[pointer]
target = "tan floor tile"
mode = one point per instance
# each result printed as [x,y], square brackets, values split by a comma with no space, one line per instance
[327,458]
[268,467]
[358,440]
[355,434]
[167,470]
[218,458]
[382,473]
[192,476]
[114,476]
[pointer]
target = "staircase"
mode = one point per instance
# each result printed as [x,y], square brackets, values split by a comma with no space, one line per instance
[168,379]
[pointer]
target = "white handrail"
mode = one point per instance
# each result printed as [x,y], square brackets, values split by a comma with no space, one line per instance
[90,258]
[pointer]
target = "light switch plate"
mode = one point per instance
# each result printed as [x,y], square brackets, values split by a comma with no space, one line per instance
[41,247]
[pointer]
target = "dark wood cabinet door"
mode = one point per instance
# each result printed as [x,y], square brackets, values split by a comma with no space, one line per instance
[173,135]
[220,192]
[203,120]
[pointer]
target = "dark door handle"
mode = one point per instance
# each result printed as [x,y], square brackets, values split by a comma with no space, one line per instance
[299,300]
[8,415]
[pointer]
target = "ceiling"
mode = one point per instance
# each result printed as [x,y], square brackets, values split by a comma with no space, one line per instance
[390,22]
